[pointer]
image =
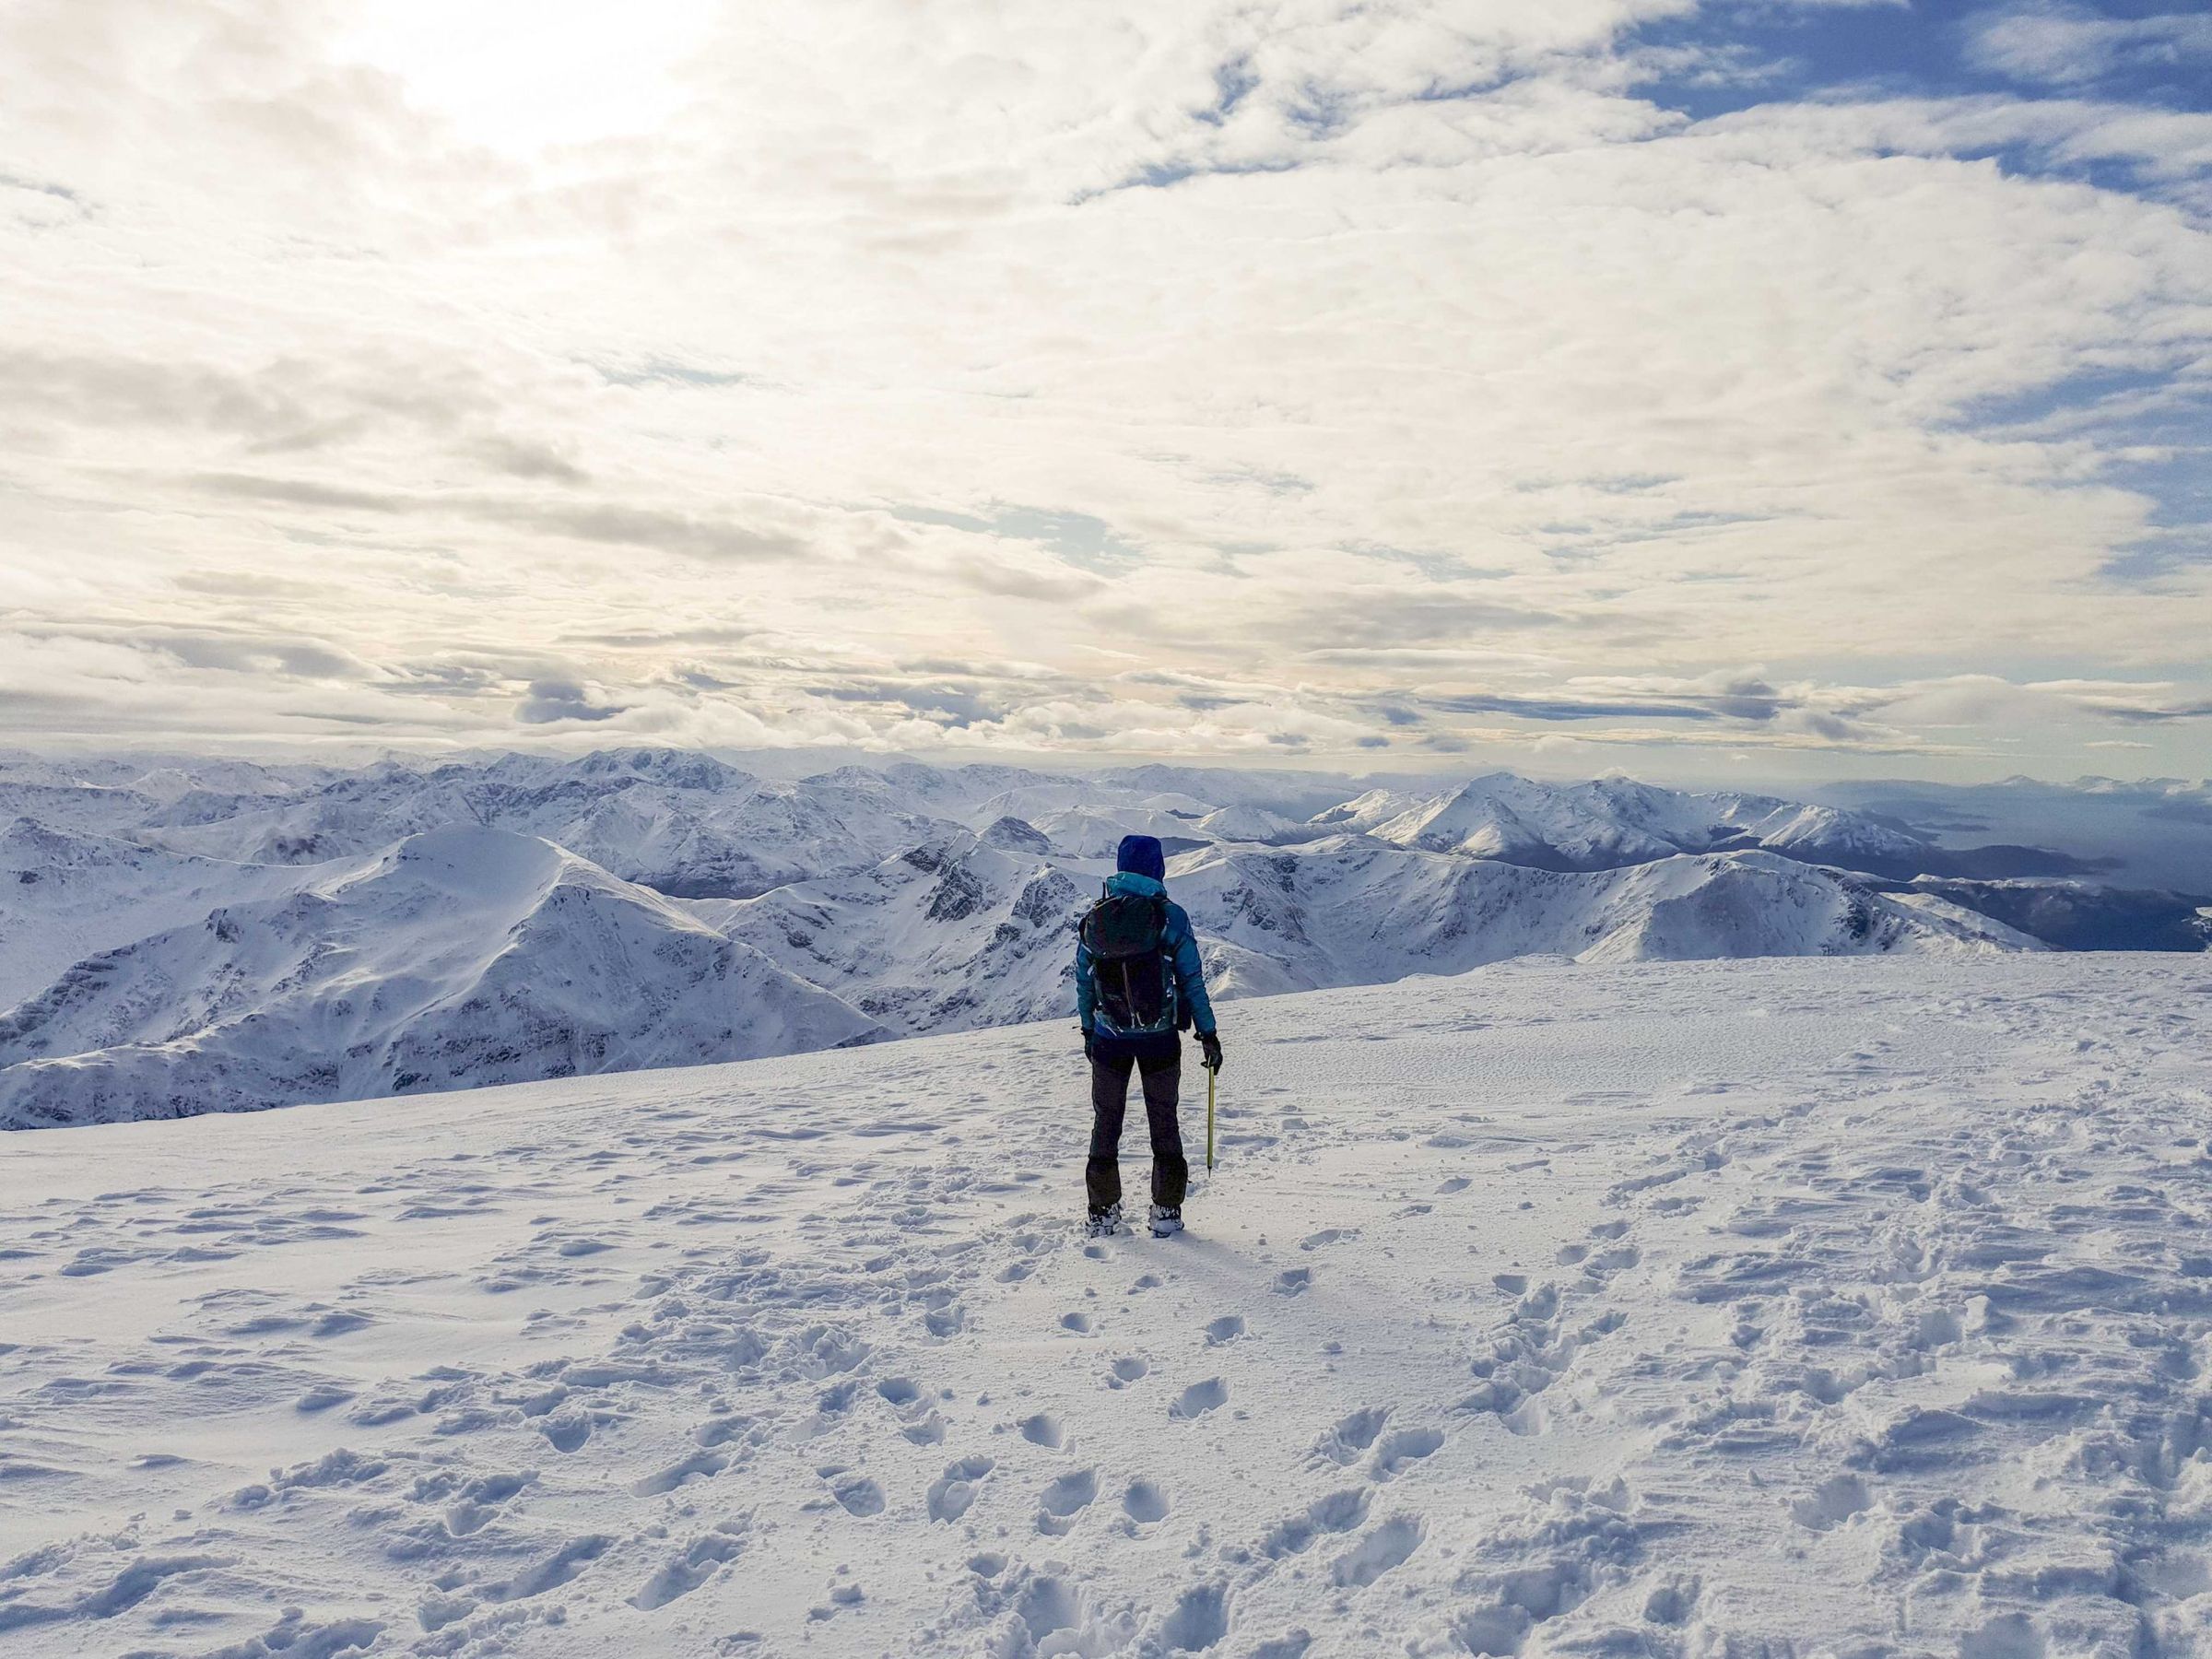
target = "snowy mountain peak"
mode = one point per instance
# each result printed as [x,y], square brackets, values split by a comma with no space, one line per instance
[674,767]
[1017,835]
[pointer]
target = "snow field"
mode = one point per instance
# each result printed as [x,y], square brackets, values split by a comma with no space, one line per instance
[1850,1307]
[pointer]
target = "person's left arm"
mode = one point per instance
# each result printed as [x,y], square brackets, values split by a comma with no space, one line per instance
[1190,976]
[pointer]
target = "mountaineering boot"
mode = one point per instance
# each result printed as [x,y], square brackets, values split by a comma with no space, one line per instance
[1167,1220]
[1103,1223]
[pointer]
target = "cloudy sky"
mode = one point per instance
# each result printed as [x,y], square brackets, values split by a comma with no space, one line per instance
[1775,389]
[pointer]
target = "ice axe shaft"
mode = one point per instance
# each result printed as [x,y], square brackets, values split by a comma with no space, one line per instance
[1210,1075]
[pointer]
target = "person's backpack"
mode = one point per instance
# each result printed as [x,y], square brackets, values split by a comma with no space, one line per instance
[1130,963]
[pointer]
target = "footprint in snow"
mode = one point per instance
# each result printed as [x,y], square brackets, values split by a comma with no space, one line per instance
[1042,1430]
[1351,1436]
[478,1502]
[950,1496]
[1226,1328]
[1337,1513]
[1125,1371]
[700,1465]
[1327,1235]
[1382,1550]
[1403,1446]
[1831,1504]
[1198,1620]
[1293,1281]
[1080,1324]
[1200,1398]
[1145,1502]
[690,1569]
[859,1496]
[1062,1502]
[568,1431]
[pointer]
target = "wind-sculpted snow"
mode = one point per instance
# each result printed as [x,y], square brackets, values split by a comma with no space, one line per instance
[1837,1307]
[192,935]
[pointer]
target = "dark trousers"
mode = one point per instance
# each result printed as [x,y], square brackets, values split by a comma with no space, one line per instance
[1162,1074]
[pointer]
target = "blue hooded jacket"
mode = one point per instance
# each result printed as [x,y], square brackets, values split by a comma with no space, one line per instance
[1182,946]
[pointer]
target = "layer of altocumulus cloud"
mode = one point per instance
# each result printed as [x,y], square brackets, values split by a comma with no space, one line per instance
[1404,380]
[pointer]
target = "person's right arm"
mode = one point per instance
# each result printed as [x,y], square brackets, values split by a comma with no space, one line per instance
[1086,989]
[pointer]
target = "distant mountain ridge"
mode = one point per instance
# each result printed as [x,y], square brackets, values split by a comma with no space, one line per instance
[180,938]
[1612,822]
[458,956]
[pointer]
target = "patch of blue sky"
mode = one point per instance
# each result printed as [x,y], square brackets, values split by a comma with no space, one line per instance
[60,193]
[1437,567]
[1687,523]
[1722,59]
[2127,175]
[2181,524]
[1233,82]
[1607,483]
[1729,57]
[2154,432]
[2124,404]
[661,371]
[1165,175]
[1582,544]
[1319,111]
[1272,483]
[1088,543]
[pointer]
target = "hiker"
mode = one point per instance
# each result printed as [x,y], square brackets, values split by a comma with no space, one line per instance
[1139,982]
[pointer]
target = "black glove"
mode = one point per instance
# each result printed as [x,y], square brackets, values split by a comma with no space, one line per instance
[1210,1042]
[1091,1043]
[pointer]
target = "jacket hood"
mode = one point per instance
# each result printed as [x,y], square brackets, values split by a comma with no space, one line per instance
[1142,855]
[1129,881]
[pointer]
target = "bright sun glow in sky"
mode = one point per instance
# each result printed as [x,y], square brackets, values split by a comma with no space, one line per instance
[1704,388]
[525,75]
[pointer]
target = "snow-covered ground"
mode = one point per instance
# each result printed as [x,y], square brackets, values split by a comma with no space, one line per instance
[1821,1306]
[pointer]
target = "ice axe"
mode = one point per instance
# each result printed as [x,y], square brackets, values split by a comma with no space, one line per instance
[1211,1075]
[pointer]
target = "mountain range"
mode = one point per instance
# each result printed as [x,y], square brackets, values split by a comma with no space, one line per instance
[185,937]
